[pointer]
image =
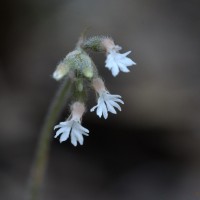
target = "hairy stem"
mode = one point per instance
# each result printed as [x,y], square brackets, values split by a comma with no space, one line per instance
[42,153]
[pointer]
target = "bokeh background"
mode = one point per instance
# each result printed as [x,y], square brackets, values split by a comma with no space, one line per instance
[150,150]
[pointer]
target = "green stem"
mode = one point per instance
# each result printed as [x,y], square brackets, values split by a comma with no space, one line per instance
[42,154]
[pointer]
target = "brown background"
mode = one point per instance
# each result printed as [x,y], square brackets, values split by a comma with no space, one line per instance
[151,149]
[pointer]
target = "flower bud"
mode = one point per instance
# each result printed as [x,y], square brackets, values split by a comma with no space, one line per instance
[80,86]
[80,61]
[88,72]
[61,70]
[94,44]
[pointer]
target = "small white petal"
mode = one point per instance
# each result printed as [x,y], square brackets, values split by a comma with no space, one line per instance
[64,123]
[105,112]
[110,107]
[60,125]
[115,71]
[115,105]
[93,108]
[57,126]
[64,136]
[78,136]
[73,140]
[126,54]
[128,62]
[82,128]
[123,68]
[99,111]
[58,132]
[113,96]
[118,100]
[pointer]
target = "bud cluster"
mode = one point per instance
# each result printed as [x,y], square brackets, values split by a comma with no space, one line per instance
[85,75]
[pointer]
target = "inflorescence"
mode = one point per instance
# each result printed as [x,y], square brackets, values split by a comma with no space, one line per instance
[79,66]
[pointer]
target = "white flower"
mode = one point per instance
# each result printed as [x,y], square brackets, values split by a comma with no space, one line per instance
[72,128]
[118,62]
[107,103]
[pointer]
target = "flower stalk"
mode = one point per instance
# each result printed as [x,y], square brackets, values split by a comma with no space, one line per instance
[42,154]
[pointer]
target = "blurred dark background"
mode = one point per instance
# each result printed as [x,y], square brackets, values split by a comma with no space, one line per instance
[150,150]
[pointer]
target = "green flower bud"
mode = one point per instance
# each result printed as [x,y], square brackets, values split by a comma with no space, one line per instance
[88,72]
[80,85]
[80,61]
[61,70]
[94,44]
